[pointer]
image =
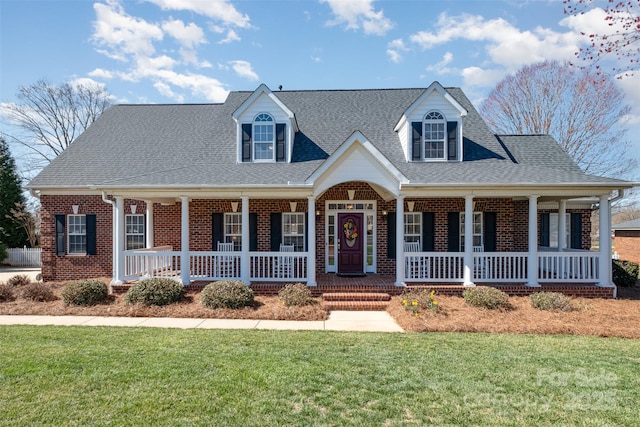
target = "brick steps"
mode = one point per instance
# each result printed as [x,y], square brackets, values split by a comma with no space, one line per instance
[356,301]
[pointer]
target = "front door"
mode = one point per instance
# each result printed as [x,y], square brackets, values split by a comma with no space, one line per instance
[350,236]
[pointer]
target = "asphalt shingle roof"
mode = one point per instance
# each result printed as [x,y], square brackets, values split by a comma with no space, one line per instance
[195,145]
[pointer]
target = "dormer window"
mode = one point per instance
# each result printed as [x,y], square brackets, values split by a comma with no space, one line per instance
[434,136]
[263,138]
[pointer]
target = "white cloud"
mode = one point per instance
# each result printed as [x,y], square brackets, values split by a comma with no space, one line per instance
[395,49]
[475,76]
[120,34]
[232,36]
[189,36]
[631,87]
[220,10]
[243,69]
[441,67]
[506,45]
[356,14]
[100,73]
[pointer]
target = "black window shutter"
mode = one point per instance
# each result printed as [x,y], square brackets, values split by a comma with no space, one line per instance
[452,140]
[544,229]
[217,230]
[276,231]
[576,230]
[253,232]
[490,228]
[60,235]
[91,233]
[391,235]
[416,141]
[246,142]
[453,232]
[280,142]
[428,231]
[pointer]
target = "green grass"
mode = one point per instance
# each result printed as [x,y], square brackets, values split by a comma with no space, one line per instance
[137,376]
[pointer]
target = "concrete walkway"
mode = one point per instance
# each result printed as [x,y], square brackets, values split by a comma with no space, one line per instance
[7,272]
[369,321]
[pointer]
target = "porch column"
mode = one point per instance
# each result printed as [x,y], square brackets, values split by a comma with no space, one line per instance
[400,241]
[185,271]
[149,224]
[562,225]
[604,259]
[532,262]
[118,242]
[245,265]
[311,241]
[468,241]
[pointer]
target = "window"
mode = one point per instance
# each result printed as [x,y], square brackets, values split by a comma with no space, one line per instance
[293,230]
[233,230]
[434,135]
[263,138]
[77,234]
[553,230]
[134,232]
[412,226]
[477,230]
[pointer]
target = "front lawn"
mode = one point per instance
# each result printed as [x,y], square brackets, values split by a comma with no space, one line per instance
[137,376]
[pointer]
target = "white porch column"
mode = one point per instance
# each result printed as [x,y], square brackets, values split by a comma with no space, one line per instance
[245,265]
[400,241]
[185,269]
[468,241]
[311,241]
[118,242]
[562,225]
[604,259]
[532,262]
[149,224]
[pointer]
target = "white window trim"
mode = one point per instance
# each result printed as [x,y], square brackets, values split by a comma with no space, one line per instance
[69,234]
[423,142]
[229,237]
[127,234]
[554,219]
[419,222]
[481,234]
[296,234]
[271,123]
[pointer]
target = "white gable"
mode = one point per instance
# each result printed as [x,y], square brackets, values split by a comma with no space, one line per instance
[358,160]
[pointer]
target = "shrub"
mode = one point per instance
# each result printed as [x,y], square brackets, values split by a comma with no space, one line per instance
[3,252]
[296,295]
[414,300]
[155,291]
[19,280]
[550,301]
[6,293]
[85,292]
[625,273]
[37,292]
[486,297]
[226,294]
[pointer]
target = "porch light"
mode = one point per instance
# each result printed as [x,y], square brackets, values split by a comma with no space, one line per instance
[133,209]
[317,214]
[349,206]
[385,212]
[234,207]
[293,206]
[411,205]
[75,209]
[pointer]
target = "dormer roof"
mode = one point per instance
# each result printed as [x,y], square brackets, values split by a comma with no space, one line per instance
[263,90]
[433,87]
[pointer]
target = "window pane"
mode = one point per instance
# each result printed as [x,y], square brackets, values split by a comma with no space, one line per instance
[293,230]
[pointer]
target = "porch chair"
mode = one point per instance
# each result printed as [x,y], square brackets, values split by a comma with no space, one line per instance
[479,265]
[284,265]
[414,265]
[225,267]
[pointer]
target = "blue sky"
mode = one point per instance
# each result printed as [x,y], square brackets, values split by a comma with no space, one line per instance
[195,51]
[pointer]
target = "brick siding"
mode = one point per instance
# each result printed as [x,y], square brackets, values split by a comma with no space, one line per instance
[627,244]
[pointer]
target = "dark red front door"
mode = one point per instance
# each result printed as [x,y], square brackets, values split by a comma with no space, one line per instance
[351,248]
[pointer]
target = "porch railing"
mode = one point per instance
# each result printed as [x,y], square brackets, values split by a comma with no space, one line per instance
[160,261]
[579,266]
[215,265]
[279,266]
[500,267]
[434,266]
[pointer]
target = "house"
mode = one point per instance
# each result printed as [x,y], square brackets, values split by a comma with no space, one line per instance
[627,239]
[409,185]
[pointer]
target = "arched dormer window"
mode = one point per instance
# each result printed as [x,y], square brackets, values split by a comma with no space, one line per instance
[263,138]
[434,135]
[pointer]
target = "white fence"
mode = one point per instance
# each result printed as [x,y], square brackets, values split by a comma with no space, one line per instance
[24,257]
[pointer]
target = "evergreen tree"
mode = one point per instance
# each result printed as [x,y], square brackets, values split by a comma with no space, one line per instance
[12,234]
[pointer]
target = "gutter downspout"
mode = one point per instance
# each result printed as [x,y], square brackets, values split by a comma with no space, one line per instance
[113,239]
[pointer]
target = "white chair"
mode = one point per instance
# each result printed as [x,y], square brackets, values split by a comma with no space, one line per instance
[414,264]
[479,264]
[285,262]
[412,246]
[225,265]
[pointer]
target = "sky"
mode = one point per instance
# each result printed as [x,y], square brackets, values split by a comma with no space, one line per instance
[196,51]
